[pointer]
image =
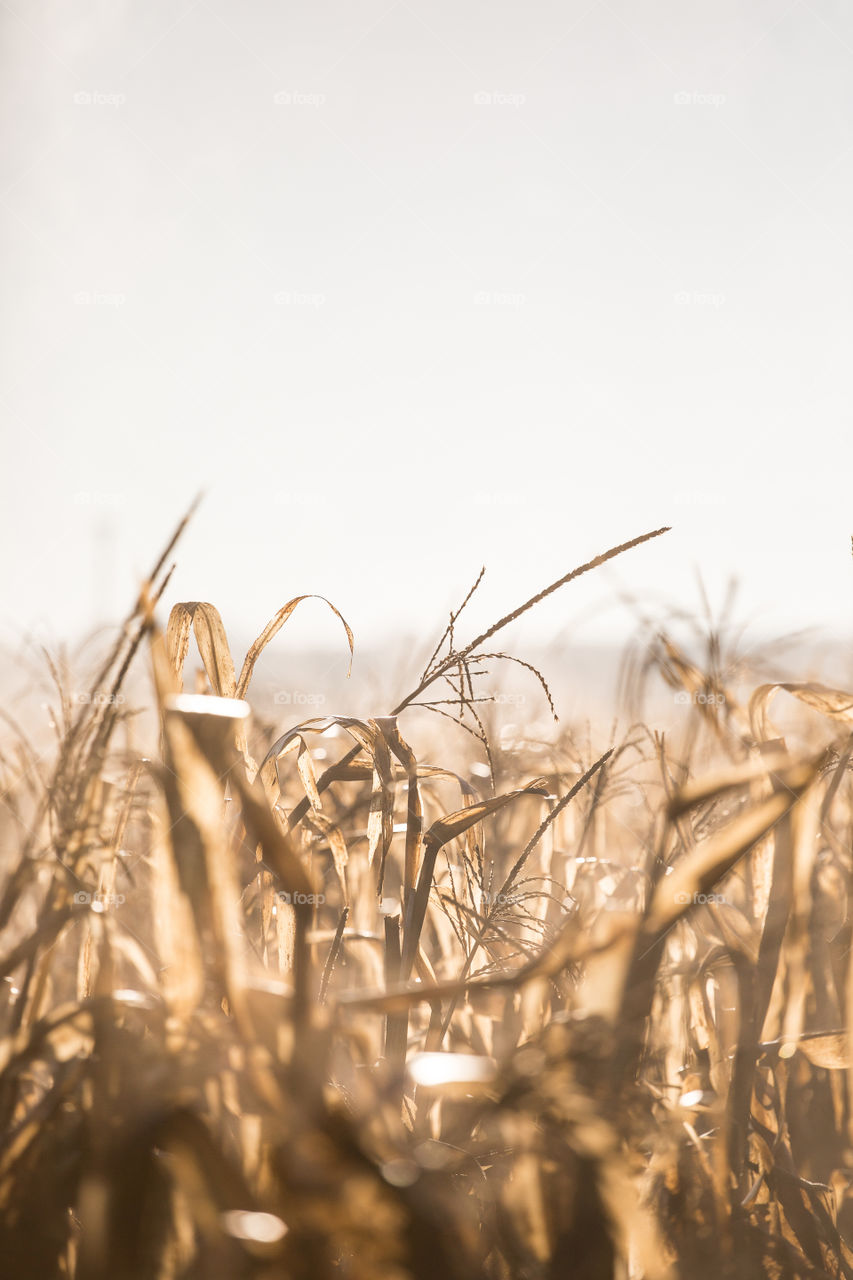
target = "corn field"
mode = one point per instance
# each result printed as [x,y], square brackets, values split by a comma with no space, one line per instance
[582,1012]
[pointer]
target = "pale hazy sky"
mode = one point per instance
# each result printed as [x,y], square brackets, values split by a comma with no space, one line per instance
[409,287]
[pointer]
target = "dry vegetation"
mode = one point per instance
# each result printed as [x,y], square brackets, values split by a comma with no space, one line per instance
[586,1017]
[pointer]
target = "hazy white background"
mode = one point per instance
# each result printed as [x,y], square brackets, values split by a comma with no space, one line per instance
[490,282]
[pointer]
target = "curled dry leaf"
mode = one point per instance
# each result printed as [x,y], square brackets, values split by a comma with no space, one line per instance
[835,703]
[273,627]
[206,624]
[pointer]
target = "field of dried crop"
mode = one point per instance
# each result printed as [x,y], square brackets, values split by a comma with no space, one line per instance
[308,1004]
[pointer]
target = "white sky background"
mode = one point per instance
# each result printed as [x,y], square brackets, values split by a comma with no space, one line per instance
[396,332]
